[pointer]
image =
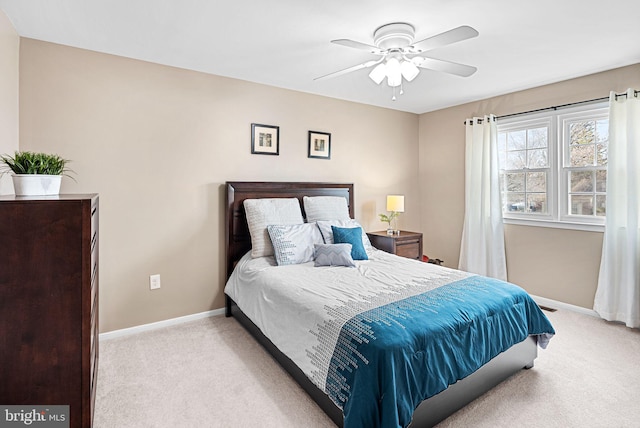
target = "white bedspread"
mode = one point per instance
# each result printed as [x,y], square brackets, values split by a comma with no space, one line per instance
[290,303]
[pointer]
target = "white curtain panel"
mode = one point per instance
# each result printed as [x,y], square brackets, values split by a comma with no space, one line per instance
[618,294]
[482,247]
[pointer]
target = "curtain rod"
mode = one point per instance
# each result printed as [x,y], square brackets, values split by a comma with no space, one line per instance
[555,107]
[624,94]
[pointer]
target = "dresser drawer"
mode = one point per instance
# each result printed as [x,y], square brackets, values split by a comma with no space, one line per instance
[410,250]
[94,283]
[94,322]
[94,218]
[94,251]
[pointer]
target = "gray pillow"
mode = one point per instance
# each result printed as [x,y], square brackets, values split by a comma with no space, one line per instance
[263,212]
[325,208]
[293,243]
[333,255]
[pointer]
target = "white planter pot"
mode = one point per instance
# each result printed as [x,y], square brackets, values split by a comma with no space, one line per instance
[36,184]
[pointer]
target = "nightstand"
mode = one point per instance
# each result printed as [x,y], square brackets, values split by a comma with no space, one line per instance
[406,244]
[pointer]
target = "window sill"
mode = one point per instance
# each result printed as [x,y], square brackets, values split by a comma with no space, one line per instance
[589,227]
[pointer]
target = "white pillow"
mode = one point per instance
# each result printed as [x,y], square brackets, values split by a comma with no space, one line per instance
[294,243]
[325,208]
[263,212]
[327,233]
[333,255]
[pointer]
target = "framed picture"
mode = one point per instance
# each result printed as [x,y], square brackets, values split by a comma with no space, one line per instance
[319,145]
[265,139]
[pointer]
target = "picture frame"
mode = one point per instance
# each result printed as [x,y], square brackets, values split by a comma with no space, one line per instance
[265,139]
[319,145]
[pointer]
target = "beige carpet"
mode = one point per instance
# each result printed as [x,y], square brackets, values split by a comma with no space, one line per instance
[211,373]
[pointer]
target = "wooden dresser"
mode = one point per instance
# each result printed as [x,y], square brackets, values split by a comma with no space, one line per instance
[49,302]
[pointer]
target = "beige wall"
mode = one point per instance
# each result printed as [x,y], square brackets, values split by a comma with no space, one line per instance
[158,143]
[554,263]
[9,50]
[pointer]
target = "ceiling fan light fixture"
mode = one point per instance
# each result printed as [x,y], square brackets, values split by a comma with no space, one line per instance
[394,73]
[378,73]
[409,70]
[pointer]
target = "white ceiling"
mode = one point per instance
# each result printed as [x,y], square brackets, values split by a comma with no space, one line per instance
[286,43]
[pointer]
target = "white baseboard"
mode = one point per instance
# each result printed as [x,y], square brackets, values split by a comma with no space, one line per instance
[160,324]
[561,305]
[174,321]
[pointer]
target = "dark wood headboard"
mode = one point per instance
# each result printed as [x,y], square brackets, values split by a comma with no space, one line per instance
[237,237]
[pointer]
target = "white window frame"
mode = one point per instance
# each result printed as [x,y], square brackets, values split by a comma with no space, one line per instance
[557,179]
[595,114]
[528,123]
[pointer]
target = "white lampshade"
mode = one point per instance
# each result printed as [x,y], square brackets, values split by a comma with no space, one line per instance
[395,203]
[409,70]
[378,73]
[394,75]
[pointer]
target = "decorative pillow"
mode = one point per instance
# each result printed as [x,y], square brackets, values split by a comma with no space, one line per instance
[353,236]
[333,255]
[327,233]
[325,208]
[294,243]
[263,212]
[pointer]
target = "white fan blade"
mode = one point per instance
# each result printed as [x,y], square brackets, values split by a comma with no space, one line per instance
[358,45]
[445,66]
[448,37]
[350,69]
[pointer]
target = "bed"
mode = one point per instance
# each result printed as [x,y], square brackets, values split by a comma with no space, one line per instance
[331,398]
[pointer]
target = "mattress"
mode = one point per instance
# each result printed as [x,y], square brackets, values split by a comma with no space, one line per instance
[381,337]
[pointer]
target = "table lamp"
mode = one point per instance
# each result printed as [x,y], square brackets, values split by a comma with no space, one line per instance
[395,205]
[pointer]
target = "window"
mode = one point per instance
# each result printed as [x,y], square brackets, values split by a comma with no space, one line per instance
[525,167]
[553,167]
[585,141]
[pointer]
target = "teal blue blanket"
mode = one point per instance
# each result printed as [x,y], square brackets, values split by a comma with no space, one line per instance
[391,358]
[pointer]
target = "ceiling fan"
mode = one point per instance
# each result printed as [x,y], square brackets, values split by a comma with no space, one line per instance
[400,56]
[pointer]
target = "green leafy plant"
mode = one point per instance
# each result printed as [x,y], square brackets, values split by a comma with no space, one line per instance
[34,163]
[389,218]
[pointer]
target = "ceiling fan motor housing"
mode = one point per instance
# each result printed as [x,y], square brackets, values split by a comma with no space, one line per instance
[394,36]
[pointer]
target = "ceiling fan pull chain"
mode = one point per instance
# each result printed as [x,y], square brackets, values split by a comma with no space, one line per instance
[393,98]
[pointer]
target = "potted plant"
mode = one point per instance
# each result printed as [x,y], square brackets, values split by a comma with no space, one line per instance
[34,173]
[388,219]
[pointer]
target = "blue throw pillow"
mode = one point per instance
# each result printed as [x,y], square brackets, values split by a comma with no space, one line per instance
[353,236]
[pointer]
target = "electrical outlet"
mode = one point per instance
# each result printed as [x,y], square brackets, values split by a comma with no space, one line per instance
[154,282]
